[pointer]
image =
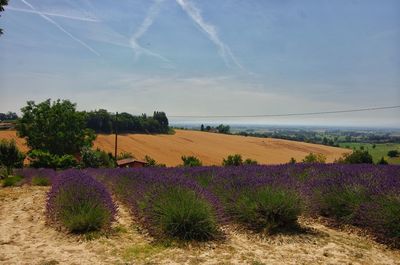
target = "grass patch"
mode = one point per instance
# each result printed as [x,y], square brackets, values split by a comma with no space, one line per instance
[142,252]
[12,181]
[378,152]
[40,181]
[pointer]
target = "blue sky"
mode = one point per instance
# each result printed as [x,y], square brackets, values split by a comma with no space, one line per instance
[191,57]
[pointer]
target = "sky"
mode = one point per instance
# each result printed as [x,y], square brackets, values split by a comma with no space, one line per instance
[192,57]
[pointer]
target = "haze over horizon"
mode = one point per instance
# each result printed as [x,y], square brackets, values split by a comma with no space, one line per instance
[191,57]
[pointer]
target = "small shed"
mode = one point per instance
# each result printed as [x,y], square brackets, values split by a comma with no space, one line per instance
[130,162]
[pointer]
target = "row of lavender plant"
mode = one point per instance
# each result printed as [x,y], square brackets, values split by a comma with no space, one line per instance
[173,201]
[269,197]
[166,201]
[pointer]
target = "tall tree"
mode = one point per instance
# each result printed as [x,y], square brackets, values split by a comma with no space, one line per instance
[162,119]
[2,4]
[54,127]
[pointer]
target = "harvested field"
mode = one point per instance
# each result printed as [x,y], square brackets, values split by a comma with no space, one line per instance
[211,148]
[26,239]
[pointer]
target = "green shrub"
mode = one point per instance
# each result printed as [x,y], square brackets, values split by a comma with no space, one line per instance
[341,203]
[44,159]
[10,156]
[40,181]
[250,161]
[97,158]
[267,208]
[12,181]
[124,155]
[151,162]
[191,161]
[233,160]
[393,153]
[356,157]
[65,161]
[181,213]
[314,158]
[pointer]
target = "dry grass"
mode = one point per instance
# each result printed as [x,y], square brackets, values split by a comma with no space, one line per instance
[211,148]
[26,239]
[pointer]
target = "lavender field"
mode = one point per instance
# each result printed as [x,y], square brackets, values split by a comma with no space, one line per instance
[193,203]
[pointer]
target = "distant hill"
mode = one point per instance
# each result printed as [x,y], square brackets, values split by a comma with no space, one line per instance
[211,148]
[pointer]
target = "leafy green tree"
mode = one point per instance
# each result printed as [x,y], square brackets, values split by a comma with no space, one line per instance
[9,116]
[233,160]
[162,119]
[292,161]
[223,128]
[2,4]
[202,127]
[54,127]
[191,161]
[100,121]
[10,156]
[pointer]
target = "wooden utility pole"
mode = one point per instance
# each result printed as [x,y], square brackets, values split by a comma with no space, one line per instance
[116,136]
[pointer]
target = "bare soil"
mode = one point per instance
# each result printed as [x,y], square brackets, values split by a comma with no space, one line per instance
[26,239]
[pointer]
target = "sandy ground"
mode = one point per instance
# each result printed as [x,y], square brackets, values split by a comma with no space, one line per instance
[211,148]
[26,239]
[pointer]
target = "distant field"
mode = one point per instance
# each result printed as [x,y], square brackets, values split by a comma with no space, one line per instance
[211,148]
[379,151]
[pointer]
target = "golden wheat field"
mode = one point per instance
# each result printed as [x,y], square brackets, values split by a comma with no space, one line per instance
[211,148]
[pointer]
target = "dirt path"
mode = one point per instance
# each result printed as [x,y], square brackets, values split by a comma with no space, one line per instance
[25,239]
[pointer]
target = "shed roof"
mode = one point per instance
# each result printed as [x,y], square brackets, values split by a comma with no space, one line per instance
[128,161]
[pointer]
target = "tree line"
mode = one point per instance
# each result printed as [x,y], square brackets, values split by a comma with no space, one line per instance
[9,116]
[102,121]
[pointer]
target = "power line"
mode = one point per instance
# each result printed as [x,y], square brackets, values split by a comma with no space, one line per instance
[286,114]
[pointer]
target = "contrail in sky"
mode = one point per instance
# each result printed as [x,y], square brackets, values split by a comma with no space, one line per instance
[147,22]
[195,14]
[51,14]
[61,28]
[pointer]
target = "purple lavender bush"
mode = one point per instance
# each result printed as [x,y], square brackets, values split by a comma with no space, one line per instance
[264,197]
[168,203]
[80,203]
